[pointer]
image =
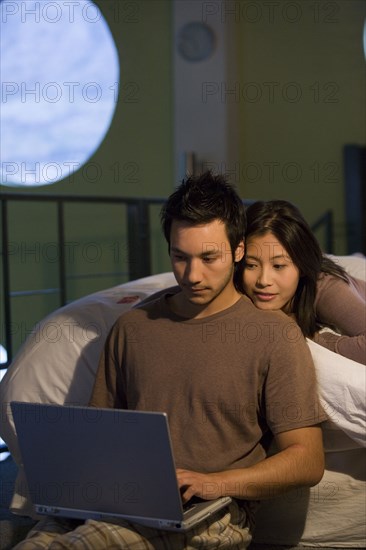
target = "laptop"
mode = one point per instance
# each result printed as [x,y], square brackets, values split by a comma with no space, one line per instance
[104,464]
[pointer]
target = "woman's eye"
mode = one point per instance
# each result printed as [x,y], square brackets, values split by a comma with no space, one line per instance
[279,266]
[250,265]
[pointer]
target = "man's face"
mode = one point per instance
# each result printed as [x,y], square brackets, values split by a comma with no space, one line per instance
[203,266]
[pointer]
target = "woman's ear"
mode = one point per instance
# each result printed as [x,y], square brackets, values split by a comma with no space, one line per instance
[239,252]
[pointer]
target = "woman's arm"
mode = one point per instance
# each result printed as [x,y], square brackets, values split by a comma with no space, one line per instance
[342,307]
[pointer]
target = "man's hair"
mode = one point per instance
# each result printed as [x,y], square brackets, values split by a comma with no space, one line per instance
[202,199]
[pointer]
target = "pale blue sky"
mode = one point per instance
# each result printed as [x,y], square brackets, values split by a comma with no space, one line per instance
[60,74]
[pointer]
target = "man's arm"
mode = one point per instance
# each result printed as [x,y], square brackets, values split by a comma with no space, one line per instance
[299,463]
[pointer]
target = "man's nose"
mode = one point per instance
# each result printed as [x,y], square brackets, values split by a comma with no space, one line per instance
[193,273]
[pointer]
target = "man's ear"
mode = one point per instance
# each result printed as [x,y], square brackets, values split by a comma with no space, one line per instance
[239,252]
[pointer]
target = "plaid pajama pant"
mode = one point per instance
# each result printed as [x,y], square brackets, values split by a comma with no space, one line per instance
[230,528]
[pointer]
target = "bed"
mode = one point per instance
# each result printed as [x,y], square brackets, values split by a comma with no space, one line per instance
[57,364]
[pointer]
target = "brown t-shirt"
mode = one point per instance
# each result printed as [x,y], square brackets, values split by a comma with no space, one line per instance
[225,381]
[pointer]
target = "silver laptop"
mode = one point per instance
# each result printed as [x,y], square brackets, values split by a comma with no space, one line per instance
[104,464]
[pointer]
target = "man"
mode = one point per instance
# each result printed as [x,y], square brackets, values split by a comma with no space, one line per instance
[227,374]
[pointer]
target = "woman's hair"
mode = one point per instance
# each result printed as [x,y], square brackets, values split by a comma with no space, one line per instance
[287,224]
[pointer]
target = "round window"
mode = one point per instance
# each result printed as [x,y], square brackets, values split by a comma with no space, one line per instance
[60,78]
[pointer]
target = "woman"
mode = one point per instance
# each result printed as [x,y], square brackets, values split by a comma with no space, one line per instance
[285,269]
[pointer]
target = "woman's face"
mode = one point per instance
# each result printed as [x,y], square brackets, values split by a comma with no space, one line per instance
[270,276]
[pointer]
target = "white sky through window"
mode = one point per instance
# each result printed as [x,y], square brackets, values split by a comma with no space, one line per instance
[59,88]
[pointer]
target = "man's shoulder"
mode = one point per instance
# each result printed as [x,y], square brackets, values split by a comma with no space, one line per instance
[152,307]
[270,316]
[268,331]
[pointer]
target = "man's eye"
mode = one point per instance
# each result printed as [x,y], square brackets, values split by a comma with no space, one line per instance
[178,258]
[208,260]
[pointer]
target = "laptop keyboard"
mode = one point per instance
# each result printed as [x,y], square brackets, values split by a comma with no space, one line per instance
[191,504]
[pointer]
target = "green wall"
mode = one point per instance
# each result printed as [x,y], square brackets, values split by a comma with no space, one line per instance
[301,76]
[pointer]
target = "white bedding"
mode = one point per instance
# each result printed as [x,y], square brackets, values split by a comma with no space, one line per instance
[57,364]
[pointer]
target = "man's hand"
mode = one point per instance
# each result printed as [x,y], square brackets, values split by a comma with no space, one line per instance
[204,486]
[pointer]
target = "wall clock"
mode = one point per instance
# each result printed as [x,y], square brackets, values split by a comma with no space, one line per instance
[196,41]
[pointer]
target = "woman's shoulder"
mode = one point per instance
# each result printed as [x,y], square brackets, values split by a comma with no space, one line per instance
[328,279]
[324,277]
[329,283]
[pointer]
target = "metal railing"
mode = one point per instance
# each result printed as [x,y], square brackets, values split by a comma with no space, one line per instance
[138,238]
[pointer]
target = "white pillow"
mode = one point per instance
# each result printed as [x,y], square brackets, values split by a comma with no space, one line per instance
[355,265]
[342,391]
